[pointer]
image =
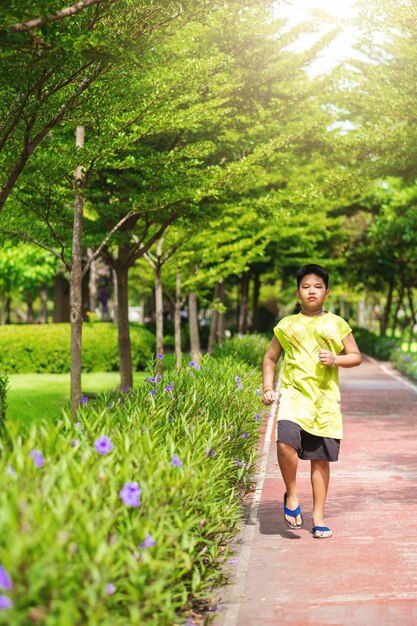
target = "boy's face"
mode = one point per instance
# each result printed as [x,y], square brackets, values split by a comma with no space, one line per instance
[312,293]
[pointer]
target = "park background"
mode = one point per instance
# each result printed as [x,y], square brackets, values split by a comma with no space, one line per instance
[165,169]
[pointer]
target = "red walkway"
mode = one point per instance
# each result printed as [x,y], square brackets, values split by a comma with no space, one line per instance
[366,574]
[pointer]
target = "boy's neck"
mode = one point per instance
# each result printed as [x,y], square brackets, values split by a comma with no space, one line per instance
[313,313]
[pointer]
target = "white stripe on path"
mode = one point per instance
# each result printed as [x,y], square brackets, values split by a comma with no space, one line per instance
[236,587]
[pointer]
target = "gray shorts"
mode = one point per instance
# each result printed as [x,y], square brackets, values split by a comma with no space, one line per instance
[309,447]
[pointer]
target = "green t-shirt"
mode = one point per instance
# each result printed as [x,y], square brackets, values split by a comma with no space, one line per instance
[309,393]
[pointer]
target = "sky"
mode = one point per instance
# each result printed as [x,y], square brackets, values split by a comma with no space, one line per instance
[341,10]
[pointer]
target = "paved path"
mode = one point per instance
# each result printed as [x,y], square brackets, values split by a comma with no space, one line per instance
[366,574]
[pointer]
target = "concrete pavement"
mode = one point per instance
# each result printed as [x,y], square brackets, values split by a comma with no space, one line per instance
[366,574]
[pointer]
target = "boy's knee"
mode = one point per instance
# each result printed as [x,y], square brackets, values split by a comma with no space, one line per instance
[285,449]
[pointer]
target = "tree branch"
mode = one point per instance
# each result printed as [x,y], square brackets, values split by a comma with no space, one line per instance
[41,21]
[31,145]
[106,240]
[35,242]
[139,250]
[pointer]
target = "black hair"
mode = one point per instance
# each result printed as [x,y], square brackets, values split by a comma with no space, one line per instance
[312,268]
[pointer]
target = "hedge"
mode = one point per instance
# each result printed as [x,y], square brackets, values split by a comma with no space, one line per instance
[374,345]
[248,348]
[45,348]
[82,548]
[405,362]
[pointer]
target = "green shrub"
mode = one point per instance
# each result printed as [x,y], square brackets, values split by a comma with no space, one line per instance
[66,534]
[405,362]
[374,345]
[45,348]
[248,348]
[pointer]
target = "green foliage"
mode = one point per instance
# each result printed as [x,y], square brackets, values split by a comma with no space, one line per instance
[45,348]
[247,348]
[65,533]
[24,267]
[405,362]
[374,345]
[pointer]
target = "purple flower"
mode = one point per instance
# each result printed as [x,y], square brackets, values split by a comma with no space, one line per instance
[237,462]
[148,542]
[5,580]
[152,380]
[245,435]
[158,378]
[239,386]
[259,392]
[175,461]
[194,365]
[84,400]
[110,589]
[152,392]
[103,445]
[10,470]
[257,417]
[233,560]
[5,603]
[237,379]
[211,452]
[130,494]
[78,424]
[127,388]
[37,457]
[168,388]
[159,356]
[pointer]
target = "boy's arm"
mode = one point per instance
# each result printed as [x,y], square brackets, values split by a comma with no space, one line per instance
[351,356]
[271,359]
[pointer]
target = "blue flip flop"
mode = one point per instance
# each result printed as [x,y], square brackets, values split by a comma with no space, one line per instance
[321,532]
[291,513]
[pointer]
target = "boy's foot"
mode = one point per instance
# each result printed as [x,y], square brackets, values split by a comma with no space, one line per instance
[321,532]
[292,517]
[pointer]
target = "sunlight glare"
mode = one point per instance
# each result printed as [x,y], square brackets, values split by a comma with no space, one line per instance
[341,48]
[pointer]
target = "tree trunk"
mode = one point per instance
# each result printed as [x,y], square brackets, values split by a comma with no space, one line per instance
[142,310]
[159,307]
[177,322]
[255,304]
[397,310]
[125,353]
[194,334]
[5,313]
[360,313]
[413,317]
[214,322]
[92,283]
[220,319]
[76,317]
[29,304]
[244,300]
[43,315]
[115,298]
[387,310]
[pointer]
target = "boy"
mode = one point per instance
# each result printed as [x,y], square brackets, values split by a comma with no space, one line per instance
[309,426]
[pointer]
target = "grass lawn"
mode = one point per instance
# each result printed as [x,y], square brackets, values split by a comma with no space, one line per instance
[34,396]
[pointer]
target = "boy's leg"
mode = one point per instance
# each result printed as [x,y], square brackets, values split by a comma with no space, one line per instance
[320,476]
[288,463]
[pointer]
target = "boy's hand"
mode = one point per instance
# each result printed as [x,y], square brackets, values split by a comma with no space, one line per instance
[268,397]
[326,357]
